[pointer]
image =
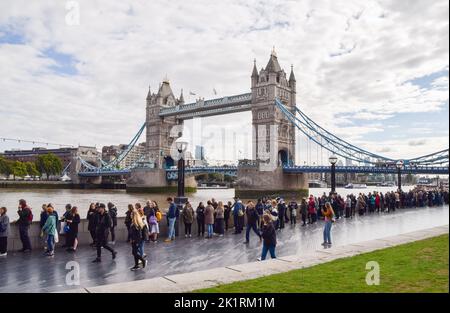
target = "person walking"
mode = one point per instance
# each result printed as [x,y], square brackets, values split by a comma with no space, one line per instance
[220,215]
[209,219]
[50,229]
[269,236]
[200,219]
[328,214]
[252,221]
[112,210]
[102,226]
[136,238]
[172,218]
[128,221]
[4,232]
[188,218]
[145,229]
[63,220]
[91,217]
[153,222]
[72,234]
[24,223]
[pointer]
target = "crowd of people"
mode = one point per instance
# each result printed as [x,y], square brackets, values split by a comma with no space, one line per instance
[263,218]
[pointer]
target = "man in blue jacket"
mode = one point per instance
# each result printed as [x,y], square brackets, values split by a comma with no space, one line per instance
[172,217]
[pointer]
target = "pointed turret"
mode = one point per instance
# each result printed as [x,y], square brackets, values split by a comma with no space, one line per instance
[149,95]
[273,66]
[255,70]
[181,100]
[292,76]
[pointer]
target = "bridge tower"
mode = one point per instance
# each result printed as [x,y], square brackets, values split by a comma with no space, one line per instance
[160,131]
[273,134]
[273,137]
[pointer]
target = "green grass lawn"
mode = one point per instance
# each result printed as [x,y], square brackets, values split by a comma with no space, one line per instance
[420,266]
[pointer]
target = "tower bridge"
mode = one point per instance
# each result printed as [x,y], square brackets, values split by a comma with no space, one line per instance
[275,118]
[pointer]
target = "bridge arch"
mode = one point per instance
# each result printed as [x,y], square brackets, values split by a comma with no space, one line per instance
[283,158]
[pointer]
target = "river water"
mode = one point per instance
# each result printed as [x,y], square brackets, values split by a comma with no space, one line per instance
[9,197]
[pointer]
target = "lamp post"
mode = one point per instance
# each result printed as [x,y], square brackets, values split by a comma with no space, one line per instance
[399,166]
[333,160]
[181,148]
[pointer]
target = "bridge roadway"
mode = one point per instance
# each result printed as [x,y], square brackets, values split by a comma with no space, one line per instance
[35,273]
[232,170]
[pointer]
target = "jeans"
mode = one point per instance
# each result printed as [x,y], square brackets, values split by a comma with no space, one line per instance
[201,226]
[136,254]
[172,227]
[113,233]
[327,232]
[266,249]
[3,244]
[50,243]
[210,230]
[140,248]
[23,231]
[249,228]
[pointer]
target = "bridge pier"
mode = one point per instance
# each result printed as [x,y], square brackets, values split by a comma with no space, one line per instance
[253,183]
[154,180]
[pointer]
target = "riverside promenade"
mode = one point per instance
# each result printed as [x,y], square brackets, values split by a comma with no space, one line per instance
[34,273]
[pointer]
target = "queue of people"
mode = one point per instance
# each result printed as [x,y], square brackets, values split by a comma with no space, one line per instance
[264,218]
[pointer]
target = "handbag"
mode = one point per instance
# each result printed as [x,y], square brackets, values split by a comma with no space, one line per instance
[66,228]
[62,231]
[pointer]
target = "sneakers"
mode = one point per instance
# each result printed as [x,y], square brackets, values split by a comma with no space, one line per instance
[134,268]
[97,260]
[144,264]
[3,254]
[114,254]
[49,254]
[168,240]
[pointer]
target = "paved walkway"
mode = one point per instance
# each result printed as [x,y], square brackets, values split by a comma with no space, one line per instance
[34,273]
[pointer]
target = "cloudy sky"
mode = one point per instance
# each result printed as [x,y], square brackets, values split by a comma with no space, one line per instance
[373,72]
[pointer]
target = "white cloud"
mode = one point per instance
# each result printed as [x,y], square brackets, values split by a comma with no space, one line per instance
[122,47]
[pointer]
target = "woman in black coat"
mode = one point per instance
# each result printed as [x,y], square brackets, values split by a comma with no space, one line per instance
[91,217]
[201,219]
[269,236]
[72,235]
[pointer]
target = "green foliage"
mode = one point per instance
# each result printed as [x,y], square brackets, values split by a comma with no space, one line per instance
[19,169]
[31,169]
[5,166]
[49,164]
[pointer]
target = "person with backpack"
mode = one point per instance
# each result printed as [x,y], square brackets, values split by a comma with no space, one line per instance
[102,225]
[188,218]
[153,222]
[136,234]
[238,216]
[328,214]
[4,232]
[50,229]
[112,210]
[252,221]
[24,223]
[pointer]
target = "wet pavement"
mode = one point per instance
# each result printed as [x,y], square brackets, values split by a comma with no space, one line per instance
[35,273]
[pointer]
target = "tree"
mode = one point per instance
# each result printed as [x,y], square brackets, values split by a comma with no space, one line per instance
[19,169]
[5,166]
[31,169]
[49,164]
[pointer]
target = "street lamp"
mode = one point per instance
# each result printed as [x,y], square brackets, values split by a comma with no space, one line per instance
[333,159]
[181,145]
[399,166]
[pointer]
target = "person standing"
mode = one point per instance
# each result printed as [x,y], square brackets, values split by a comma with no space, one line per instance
[145,229]
[50,229]
[172,217]
[201,219]
[72,235]
[304,211]
[328,214]
[188,218]
[64,218]
[252,221]
[112,210]
[209,219]
[91,217]
[102,226]
[281,214]
[153,223]
[238,212]
[227,214]
[311,210]
[260,210]
[293,206]
[269,236]
[4,232]
[220,215]
[24,223]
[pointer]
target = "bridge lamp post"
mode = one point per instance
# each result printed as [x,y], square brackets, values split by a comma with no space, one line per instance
[399,166]
[333,159]
[181,145]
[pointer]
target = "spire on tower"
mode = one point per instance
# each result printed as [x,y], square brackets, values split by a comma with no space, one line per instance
[181,100]
[255,70]
[149,95]
[292,76]
[273,65]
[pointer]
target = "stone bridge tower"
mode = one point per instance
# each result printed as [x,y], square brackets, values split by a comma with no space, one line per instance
[160,132]
[274,135]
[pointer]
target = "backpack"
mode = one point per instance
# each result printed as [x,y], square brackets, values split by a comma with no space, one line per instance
[30,216]
[153,220]
[158,216]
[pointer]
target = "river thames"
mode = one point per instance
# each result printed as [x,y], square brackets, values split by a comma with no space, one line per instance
[9,197]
